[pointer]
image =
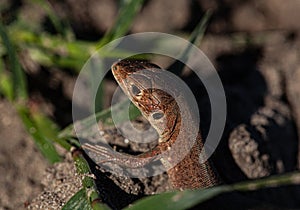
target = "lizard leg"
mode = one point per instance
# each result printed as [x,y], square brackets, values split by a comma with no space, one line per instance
[104,154]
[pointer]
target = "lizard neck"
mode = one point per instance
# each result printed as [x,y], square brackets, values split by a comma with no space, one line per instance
[189,172]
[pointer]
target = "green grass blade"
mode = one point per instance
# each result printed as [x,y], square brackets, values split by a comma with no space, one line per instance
[56,22]
[121,115]
[44,144]
[91,195]
[189,198]
[48,129]
[198,33]
[127,12]
[96,67]
[176,200]
[78,202]
[17,76]
[6,87]
[292,178]
[195,38]
[46,49]
[52,50]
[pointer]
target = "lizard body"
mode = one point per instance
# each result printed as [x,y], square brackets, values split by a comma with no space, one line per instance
[145,90]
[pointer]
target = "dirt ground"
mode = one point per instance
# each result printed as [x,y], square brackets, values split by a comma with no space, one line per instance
[254,45]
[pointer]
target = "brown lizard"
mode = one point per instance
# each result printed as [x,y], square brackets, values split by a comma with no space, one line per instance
[162,111]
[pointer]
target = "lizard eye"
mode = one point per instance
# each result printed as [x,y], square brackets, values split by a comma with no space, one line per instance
[135,90]
[157,115]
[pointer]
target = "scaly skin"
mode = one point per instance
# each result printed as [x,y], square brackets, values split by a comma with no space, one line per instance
[143,83]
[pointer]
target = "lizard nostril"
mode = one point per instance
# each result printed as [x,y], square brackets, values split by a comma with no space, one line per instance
[114,67]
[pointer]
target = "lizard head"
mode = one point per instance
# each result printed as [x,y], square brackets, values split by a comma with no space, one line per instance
[144,84]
